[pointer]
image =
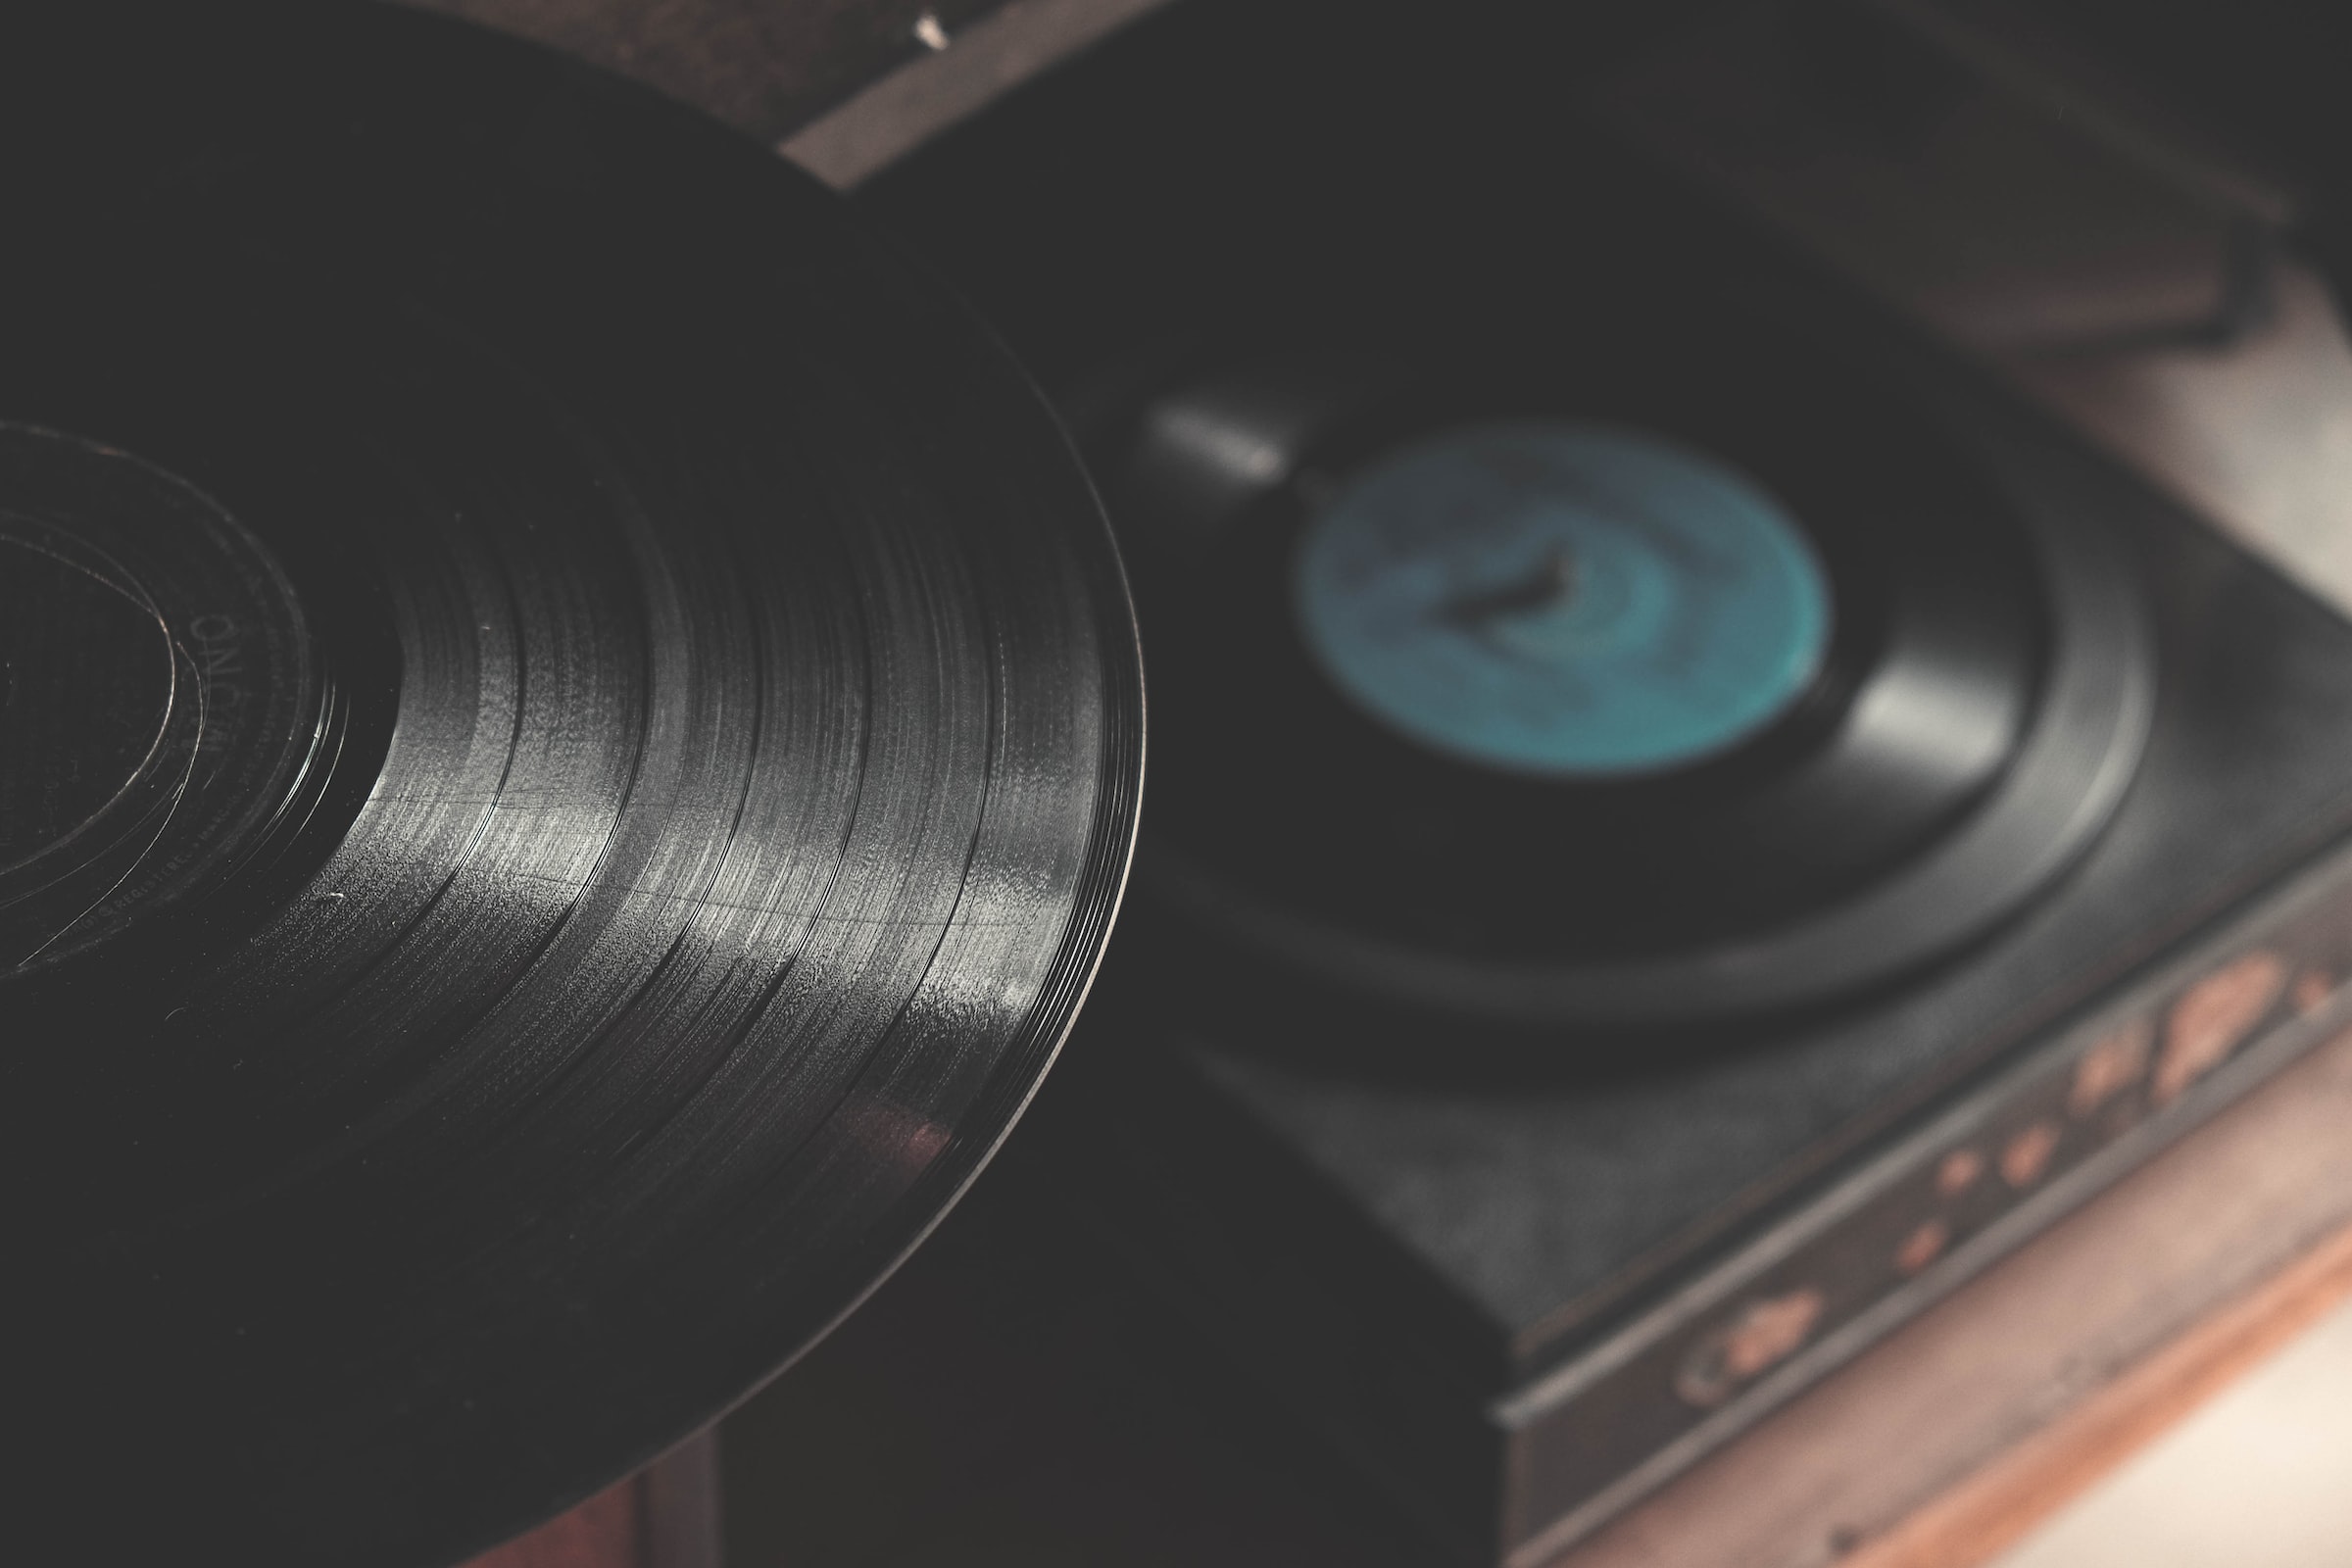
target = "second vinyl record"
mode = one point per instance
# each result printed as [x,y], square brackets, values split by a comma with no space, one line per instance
[1654,672]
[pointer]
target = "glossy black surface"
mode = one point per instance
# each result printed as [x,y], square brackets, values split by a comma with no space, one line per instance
[741,760]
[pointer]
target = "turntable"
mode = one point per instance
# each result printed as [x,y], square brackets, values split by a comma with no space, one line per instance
[1689,818]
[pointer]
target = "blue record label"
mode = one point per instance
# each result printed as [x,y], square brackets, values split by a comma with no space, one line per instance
[1562,599]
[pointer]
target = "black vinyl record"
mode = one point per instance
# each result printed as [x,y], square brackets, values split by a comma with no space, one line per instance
[569,743]
[1368,786]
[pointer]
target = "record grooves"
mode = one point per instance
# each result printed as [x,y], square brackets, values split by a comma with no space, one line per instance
[589,852]
[153,763]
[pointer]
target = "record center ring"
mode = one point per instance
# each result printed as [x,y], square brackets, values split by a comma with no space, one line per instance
[1563,598]
[161,701]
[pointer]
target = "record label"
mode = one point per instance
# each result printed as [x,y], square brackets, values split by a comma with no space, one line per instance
[1563,598]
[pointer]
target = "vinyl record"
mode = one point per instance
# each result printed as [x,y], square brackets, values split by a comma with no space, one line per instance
[569,743]
[1639,676]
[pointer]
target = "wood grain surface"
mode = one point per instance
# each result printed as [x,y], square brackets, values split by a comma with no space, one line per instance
[766,67]
[842,87]
[664,1516]
[608,1531]
[1990,1511]
[1959,1433]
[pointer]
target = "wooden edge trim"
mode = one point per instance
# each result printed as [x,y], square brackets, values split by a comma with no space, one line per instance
[1997,1505]
[969,70]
